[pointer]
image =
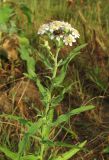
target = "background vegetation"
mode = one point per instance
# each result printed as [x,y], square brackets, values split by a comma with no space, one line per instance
[88,72]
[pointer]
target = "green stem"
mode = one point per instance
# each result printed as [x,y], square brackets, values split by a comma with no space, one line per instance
[55,63]
[45,134]
[49,113]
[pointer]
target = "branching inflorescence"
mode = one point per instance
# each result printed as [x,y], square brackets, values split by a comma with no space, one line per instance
[60,31]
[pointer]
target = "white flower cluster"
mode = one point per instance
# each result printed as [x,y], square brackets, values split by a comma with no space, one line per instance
[61,31]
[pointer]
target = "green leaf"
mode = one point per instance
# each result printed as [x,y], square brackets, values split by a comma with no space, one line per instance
[25,55]
[67,155]
[79,47]
[31,131]
[8,153]
[35,126]
[31,67]
[45,93]
[22,144]
[65,117]
[5,13]
[56,144]
[59,79]
[41,88]
[72,54]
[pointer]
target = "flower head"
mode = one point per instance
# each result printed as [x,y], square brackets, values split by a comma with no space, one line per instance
[59,31]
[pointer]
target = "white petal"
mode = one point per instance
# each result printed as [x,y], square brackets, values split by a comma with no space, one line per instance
[66,44]
[52,37]
[70,44]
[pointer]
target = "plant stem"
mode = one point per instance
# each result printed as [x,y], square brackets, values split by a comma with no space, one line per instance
[49,112]
[55,63]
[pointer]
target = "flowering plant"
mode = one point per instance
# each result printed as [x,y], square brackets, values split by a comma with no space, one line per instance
[61,33]
[52,91]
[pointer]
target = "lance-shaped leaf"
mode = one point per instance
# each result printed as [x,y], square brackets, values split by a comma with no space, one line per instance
[59,79]
[67,155]
[41,88]
[79,47]
[65,117]
[57,144]
[72,54]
